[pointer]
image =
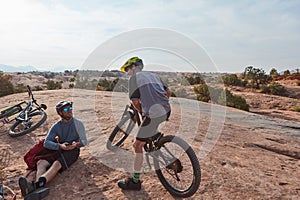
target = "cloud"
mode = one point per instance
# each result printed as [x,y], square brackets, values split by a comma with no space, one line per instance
[64,32]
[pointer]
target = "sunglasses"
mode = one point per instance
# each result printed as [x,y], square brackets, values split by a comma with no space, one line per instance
[67,109]
[128,68]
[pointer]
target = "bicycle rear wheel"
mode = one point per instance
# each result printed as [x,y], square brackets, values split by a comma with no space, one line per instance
[20,127]
[177,166]
[120,132]
[10,112]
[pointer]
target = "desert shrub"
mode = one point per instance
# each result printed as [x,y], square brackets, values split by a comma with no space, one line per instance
[286,72]
[20,88]
[52,85]
[117,85]
[194,80]
[232,79]
[236,101]
[274,73]
[6,86]
[38,88]
[71,85]
[202,93]
[84,83]
[275,89]
[298,83]
[255,77]
[220,96]
[297,109]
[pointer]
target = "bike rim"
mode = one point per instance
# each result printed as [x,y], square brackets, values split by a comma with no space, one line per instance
[182,182]
[22,127]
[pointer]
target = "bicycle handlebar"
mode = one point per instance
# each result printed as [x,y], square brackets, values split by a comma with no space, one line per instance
[32,97]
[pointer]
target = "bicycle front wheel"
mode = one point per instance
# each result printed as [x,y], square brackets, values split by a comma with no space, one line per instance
[120,132]
[20,127]
[177,166]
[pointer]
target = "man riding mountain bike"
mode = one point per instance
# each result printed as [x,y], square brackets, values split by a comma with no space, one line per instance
[150,96]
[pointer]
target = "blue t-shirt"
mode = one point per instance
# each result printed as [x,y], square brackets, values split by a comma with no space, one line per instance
[66,132]
[152,93]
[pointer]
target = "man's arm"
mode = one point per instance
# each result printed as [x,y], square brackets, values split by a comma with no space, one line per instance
[50,138]
[81,132]
[137,104]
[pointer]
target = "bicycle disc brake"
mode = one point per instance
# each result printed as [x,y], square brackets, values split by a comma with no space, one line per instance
[175,166]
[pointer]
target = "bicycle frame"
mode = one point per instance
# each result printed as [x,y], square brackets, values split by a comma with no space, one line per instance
[133,112]
[8,112]
[23,116]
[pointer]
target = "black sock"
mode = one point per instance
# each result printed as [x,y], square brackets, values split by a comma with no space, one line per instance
[41,182]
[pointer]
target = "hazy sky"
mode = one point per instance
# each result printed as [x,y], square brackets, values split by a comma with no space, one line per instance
[235,34]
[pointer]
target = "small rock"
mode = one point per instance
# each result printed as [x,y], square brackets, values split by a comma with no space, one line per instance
[283,183]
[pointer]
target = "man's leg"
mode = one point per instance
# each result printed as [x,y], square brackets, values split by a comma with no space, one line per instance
[42,166]
[134,182]
[49,174]
[138,161]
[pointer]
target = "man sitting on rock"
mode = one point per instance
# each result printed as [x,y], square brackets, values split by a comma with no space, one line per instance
[71,134]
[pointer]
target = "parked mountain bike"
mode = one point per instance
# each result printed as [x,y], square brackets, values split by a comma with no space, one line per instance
[7,193]
[30,115]
[174,160]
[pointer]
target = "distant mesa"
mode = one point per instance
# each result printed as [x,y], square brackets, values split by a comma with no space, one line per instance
[9,68]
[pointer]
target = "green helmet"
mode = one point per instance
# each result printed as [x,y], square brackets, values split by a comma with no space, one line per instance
[134,60]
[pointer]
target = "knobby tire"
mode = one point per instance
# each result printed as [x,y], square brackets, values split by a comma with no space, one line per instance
[195,174]
[119,129]
[14,133]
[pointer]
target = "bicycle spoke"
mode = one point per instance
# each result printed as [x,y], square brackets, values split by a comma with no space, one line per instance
[177,166]
[182,180]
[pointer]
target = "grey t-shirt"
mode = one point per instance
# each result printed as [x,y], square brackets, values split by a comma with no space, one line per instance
[149,88]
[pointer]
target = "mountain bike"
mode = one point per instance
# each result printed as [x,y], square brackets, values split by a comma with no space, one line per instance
[174,160]
[30,115]
[4,194]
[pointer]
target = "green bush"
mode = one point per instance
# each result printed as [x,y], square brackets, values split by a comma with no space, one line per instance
[194,80]
[275,89]
[51,85]
[202,93]
[232,79]
[298,83]
[6,86]
[236,101]
[297,109]
[117,85]
[220,96]
[20,88]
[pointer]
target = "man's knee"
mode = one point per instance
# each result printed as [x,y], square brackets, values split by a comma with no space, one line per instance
[42,164]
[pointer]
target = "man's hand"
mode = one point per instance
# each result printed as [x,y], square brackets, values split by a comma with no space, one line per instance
[66,146]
